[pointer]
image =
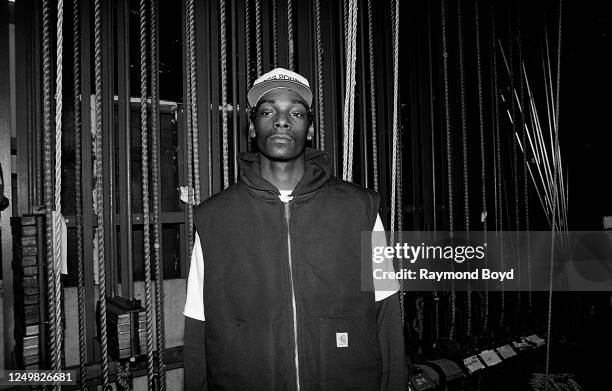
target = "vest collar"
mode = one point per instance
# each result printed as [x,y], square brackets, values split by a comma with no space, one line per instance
[317,172]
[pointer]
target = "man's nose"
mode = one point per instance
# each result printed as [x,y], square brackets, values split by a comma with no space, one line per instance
[281,122]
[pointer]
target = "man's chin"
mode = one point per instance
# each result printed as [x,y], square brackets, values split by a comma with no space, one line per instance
[281,156]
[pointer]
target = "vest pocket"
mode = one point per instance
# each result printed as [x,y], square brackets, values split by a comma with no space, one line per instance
[350,355]
[243,353]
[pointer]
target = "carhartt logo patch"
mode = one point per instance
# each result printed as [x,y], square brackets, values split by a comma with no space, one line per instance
[342,340]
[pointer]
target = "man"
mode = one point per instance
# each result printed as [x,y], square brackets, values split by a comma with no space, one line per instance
[275,298]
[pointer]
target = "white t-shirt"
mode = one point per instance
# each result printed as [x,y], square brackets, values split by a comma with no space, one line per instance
[194,304]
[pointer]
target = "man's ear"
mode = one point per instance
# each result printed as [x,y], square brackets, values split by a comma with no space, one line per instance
[251,130]
[310,131]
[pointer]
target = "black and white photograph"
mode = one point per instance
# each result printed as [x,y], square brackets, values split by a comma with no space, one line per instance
[305,195]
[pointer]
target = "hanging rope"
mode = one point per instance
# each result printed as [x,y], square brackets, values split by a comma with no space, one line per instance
[57,234]
[464,150]
[396,190]
[417,323]
[124,381]
[99,189]
[345,134]
[247,40]
[222,27]
[483,166]
[258,40]
[449,168]
[558,97]
[155,141]
[349,95]
[275,33]
[515,173]
[447,119]
[436,299]
[373,93]
[464,146]
[525,172]
[195,137]
[48,185]
[76,66]
[320,82]
[557,105]
[498,174]
[145,190]
[290,34]
[190,17]
[346,20]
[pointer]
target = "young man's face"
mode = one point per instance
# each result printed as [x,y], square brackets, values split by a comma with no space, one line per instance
[281,122]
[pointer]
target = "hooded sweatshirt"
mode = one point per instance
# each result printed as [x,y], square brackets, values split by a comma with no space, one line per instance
[283,296]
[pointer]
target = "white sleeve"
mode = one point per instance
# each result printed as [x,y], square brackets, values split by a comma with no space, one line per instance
[386,287]
[194,304]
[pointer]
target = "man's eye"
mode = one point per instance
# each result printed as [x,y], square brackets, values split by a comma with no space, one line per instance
[266,112]
[298,114]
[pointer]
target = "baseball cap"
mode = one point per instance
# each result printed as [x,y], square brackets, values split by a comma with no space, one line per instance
[279,78]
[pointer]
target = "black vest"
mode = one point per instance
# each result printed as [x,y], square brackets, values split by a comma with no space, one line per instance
[279,273]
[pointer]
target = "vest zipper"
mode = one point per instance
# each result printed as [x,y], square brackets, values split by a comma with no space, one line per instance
[293,302]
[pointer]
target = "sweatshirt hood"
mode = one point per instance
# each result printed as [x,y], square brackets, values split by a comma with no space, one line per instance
[317,172]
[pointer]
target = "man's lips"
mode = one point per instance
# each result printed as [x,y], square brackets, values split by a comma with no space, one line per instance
[280,138]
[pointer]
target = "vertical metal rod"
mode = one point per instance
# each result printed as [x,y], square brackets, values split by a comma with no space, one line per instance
[124,135]
[183,235]
[203,66]
[278,30]
[27,82]
[108,146]
[6,161]
[385,112]
[304,60]
[266,33]
[215,95]
[234,41]
[37,150]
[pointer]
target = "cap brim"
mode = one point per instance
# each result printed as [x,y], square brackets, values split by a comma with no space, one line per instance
[259,90]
